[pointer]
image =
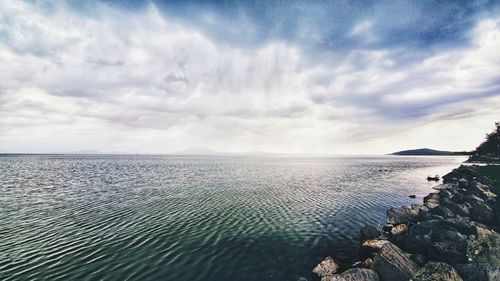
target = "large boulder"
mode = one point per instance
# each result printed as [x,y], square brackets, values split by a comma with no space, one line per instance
[419,259]
[370,248]
[449,251]
[393,264]
[368,232]
[442,211]
[354,274]
[399,229]
[432,200]
[483,213]
[441,240]
[402,215]
[475,272]
[425,214]
[482,191]
[484,249]
[437,271]
[419,237]
[483,253]
[461,224]
[457,209]
[326,267]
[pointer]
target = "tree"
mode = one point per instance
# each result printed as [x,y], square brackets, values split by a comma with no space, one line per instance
[491,145]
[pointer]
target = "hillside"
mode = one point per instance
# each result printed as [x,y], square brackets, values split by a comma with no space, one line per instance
[427,151]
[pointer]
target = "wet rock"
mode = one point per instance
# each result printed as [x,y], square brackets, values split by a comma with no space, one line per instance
[442,211]
[480,190]
[368,232]
[484,249]
[420,236]
[473,200]
[387,227]
[448,186]
[392,264]
[370,248]
[457,209]
[483,257]
[425,215]
[482,213]
[399,229]
[367,263]
[354,274]
[448,245]
[461,224]
[419,259]
[375,243]
[462,172]
[445,193]
[449,251]
[437,271]
[481,229]
[401,215]
[431,200]
[463,183]
[326,268]
[475,272]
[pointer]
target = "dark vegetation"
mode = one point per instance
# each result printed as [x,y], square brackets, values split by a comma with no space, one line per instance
[489,150]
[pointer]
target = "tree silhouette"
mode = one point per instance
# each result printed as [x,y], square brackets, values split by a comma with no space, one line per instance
[491,145]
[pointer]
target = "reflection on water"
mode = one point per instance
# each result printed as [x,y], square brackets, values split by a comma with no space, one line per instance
[194,218]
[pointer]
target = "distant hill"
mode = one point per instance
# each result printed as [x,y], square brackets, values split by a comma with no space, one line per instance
[428,151]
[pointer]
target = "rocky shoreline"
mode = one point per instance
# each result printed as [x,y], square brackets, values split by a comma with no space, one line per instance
[452,236]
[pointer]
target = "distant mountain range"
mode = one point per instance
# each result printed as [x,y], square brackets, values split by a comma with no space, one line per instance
[428,151]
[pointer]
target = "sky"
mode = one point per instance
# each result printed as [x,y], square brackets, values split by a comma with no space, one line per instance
[314,77]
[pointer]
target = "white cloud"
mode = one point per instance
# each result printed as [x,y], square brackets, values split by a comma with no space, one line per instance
[138,81]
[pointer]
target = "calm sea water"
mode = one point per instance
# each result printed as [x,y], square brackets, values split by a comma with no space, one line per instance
[195,218]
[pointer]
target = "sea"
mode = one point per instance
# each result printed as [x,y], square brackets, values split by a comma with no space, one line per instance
[167,217]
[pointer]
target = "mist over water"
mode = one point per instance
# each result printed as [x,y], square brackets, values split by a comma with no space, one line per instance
[195,218]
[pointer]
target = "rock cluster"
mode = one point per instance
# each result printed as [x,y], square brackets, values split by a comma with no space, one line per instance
[451,236]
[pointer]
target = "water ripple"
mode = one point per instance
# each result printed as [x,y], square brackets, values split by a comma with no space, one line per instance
[194,218]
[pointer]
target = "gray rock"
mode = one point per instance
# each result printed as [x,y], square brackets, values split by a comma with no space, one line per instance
[463,183]
[402,215]
[419,238]
[368,232]
[461,224]
[482,213]
[484,249]
[480,190]
[399,229]
[453,252]
[393,264]
[419,259]
[442,211]
[475,272]
[370,248]
[457,209]
[326,268]
[354,274]
[431,200]
[437,271]
[445,193]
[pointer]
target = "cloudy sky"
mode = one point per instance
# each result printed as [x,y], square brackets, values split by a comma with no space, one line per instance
[275,76]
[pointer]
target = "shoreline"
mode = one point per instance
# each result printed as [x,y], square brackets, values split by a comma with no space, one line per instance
[451,235]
